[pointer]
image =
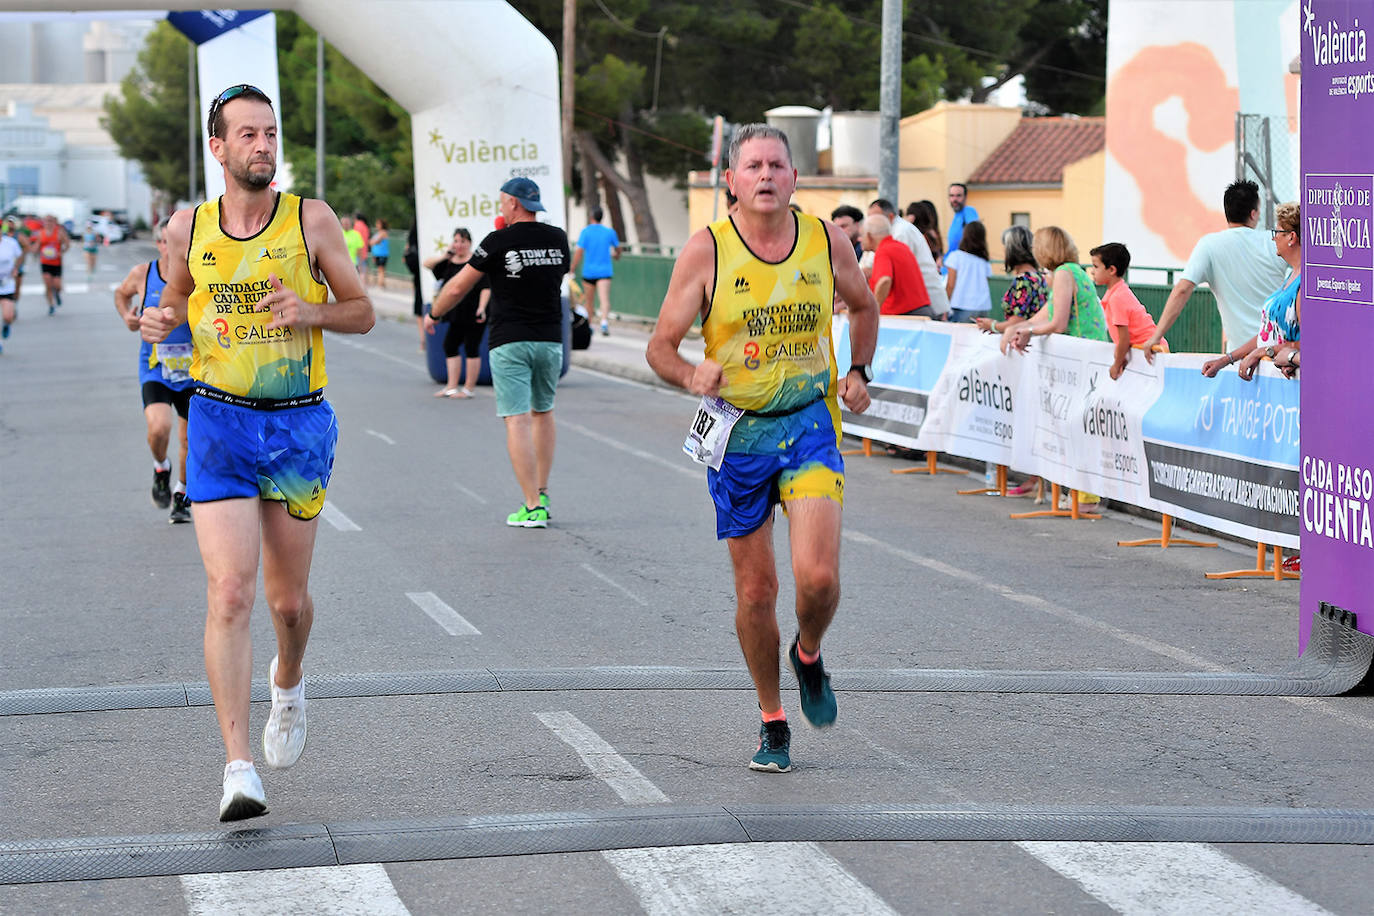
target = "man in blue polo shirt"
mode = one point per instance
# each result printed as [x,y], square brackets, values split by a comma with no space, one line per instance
[597,247]
[963,214]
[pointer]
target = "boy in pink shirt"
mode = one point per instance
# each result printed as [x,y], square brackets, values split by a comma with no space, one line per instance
[1127,321]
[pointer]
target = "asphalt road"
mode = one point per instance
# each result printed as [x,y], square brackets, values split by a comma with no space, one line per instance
[415,572]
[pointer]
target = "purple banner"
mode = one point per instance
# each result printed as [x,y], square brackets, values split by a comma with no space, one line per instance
[1337,472]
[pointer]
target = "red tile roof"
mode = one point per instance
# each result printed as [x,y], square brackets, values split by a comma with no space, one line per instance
[1039,148]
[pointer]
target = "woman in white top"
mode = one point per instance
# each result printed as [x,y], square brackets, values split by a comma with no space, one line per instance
[966,282]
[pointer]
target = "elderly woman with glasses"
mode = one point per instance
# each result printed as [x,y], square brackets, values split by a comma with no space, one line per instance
[1281,314]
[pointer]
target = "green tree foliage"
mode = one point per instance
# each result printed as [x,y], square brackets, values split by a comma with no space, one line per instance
[369,163]
[148,118]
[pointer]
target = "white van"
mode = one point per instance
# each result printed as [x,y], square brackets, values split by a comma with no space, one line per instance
[71,212]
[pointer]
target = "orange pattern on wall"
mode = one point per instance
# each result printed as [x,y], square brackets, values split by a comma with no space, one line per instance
[1157,162]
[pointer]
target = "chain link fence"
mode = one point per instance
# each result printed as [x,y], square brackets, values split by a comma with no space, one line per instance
[1267,154]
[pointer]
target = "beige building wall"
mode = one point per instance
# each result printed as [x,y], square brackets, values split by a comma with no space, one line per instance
[1082,196]
[945,143]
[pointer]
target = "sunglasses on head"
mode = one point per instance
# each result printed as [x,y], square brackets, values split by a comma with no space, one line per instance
[231,93]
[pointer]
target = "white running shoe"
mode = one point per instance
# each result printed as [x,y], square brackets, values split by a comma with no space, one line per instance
[284,737]
[243,795]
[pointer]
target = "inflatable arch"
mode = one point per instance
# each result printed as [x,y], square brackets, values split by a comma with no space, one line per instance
[479,80]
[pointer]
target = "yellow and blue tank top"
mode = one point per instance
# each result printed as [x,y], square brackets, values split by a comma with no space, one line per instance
[768,325]
[234,351]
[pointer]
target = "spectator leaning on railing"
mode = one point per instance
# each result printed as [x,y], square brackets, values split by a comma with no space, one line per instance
[1028,292]
[1074,308]
[1281,314]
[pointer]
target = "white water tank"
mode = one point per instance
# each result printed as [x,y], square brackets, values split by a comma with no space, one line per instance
[800,123]
[854,143]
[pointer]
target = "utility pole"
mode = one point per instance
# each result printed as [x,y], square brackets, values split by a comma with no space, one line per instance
[890,101]
[569,60]
[319,116]
[193,135]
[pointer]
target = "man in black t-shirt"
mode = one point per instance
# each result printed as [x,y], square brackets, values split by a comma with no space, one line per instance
[524,263]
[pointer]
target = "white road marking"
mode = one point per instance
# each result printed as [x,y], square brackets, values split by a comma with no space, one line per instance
[342,890]
[473,494]
[691,470]
[1154,879]
[442,614]
[336,518]
[614,584]
[774,878]
[383,436]
[604,763]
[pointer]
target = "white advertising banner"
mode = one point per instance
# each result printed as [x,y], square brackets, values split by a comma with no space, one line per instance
[1221,452]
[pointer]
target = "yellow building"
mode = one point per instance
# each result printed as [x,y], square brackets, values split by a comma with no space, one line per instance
[1032,171]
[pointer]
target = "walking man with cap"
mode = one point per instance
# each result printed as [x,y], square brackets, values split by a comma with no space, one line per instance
[525,263]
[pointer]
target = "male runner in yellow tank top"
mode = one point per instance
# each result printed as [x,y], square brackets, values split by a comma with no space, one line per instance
[763,282]
[249,273]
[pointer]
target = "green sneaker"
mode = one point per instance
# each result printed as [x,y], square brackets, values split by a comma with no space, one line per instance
[774,740]
[544,503]
[538,517]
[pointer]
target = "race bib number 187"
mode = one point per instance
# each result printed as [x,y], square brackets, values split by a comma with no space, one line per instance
[710,431]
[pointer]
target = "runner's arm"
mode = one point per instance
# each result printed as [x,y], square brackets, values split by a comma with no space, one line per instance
[684,302]
[126,292]
[576,261]
[853,289]
[351,311]
[157,323]
[453,291]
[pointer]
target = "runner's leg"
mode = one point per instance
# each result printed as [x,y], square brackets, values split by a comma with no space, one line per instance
[814,531]
[159,417]
[603,294]
[229,534]
[545,435]
[521,448]
[756,623]
[287,547]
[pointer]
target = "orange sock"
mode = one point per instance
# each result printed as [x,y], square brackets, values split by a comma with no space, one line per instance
[779,716]
[809,658]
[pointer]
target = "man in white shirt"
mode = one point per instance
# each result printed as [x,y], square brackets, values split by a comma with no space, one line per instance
[11,258]
[1238,263]
[913,238]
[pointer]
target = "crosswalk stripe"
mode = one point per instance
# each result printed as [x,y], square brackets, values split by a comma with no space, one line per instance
[340,890]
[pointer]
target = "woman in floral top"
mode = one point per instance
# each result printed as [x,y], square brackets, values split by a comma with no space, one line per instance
[1028,291]
[1074,308]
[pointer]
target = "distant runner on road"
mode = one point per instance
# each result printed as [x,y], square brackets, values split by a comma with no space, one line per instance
[763,281]
[164,375]
[249,272]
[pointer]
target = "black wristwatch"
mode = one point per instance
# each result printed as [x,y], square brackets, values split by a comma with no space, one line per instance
[865,370]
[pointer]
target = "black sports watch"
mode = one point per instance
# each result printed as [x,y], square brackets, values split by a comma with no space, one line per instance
[865,370]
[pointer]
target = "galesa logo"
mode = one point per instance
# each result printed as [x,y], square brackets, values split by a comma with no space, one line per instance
[751,355]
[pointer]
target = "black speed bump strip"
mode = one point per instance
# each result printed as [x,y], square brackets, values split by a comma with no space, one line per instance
[1337,659]
[96,858]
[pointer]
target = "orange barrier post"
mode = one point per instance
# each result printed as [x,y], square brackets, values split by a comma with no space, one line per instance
[1277,572]
[1072,512]
[866,451]
[1000,489]
[931,468]
[1166,539]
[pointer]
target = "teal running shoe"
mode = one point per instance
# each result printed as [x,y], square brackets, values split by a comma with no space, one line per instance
[773,756]
[817,699]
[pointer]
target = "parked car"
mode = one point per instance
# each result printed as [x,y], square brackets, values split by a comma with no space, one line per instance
[108,230]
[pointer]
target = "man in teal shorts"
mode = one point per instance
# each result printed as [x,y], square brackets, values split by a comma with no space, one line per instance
[525,263]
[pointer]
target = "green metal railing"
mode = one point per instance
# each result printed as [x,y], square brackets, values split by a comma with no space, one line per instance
[641,281]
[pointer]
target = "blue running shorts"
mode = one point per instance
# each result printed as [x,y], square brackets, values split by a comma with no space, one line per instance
[804,463]
[281,455]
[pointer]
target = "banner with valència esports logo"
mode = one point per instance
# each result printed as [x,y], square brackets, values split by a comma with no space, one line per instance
[909,362]
[1221,452]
